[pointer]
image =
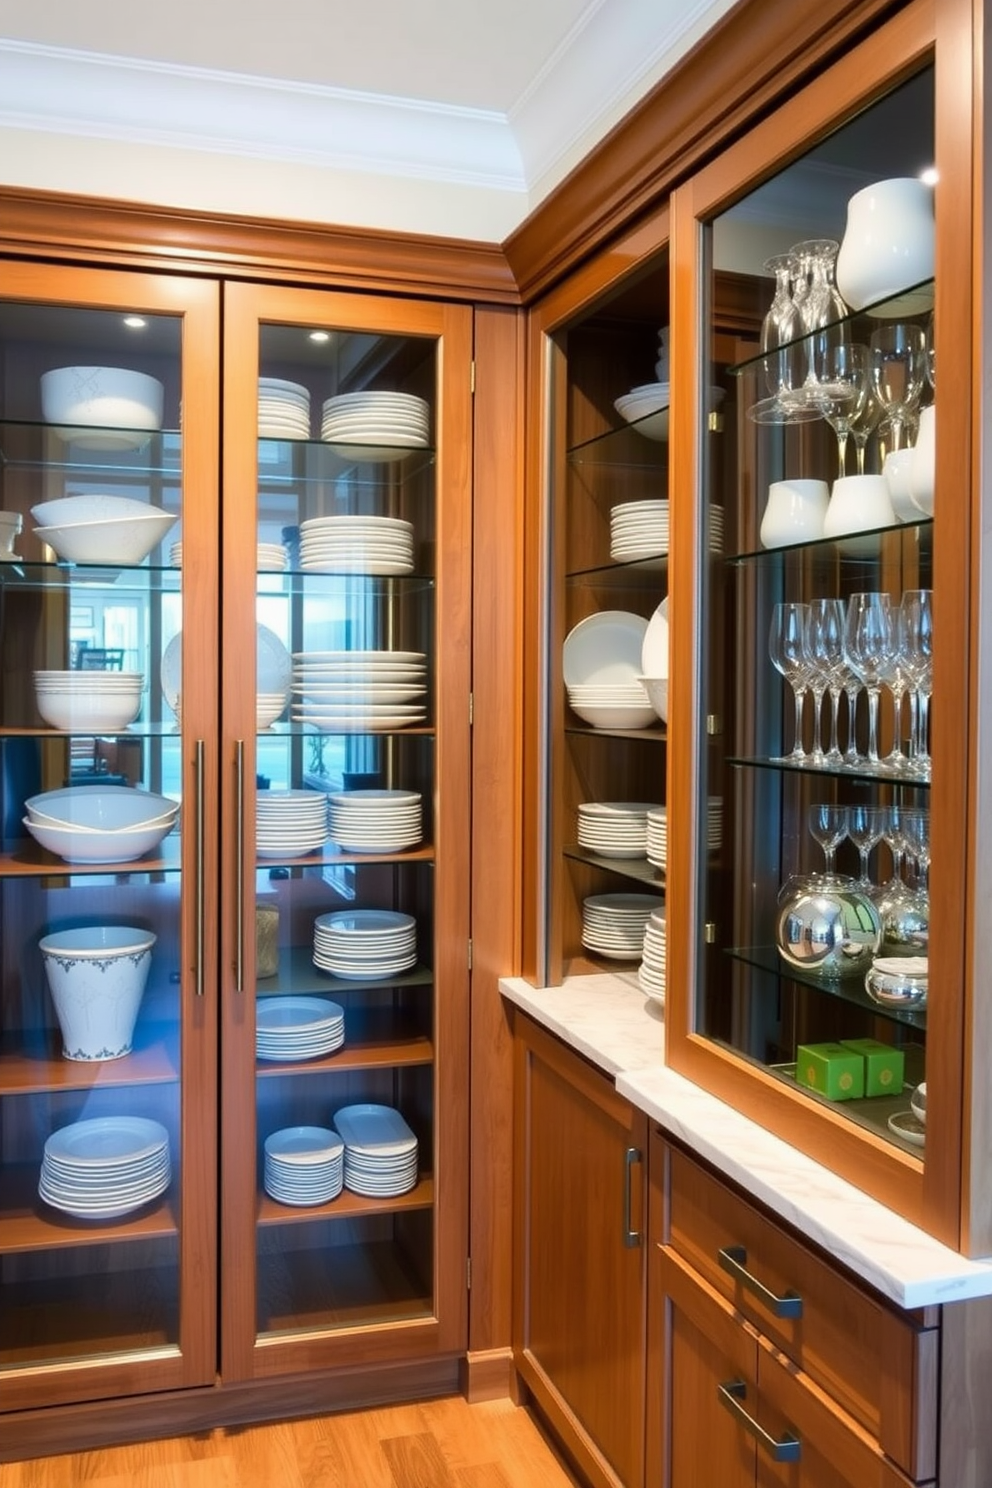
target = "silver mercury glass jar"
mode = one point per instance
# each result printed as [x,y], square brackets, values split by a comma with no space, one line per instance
[827,926]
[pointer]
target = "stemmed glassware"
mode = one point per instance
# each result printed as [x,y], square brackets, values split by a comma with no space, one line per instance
[869,640]
[828,665]
[864,423]
[915,628]
[866,828]
[842,373]
[782,327]
[787,648]
[898,367]
[828,824]
[821,308]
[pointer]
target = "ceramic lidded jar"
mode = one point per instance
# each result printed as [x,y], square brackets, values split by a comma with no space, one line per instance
[888,247]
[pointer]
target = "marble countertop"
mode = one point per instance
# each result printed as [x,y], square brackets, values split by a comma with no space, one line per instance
[608,1019]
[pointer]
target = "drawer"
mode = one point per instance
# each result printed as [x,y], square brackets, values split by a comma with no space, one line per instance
[879,1364]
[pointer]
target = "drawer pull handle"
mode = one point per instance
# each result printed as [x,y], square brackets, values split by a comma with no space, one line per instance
[631,1237]
[780,1449]
[733,1258]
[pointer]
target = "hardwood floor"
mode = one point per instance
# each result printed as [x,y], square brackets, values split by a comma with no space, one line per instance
[435,1444]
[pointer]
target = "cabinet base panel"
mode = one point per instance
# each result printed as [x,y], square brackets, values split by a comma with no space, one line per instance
[489,1374]
[44,1433]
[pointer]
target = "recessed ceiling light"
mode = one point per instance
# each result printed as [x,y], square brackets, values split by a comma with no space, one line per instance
[320,335]
[135,322]
[929,176]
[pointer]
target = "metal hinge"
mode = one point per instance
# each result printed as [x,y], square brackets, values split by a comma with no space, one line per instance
[709,933]
[714,724]
[471,377]
[470,955]
[715,423]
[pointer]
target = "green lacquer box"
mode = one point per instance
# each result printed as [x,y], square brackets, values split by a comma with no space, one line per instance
[884,1066]
[833,1070]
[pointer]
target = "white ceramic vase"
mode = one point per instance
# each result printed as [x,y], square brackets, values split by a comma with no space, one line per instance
[923,467]
[888,247]
[794,512]
[858,503]
[96,975]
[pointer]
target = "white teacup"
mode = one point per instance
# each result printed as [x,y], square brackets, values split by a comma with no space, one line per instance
[897,471]
[794,513]
[858,503]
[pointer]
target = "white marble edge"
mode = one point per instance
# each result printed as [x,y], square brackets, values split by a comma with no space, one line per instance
[607,1018]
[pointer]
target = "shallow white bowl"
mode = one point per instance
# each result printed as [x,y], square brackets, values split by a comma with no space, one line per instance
[97,975]
[102,397]
[103,808]
[88,846]
[77,711]
[615,716]
[126,540]
[657,691]
[97,506]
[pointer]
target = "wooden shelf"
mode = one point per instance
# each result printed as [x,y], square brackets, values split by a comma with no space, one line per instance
[30,1065]
[346,1206]
[370,1284]
[297,976]
[382,1039]
[333,857]
[28,1224]
[25,859]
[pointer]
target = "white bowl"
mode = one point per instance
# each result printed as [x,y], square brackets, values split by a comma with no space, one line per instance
[88,846]
[615,715]
[657,691]
[126,540]
[97,506]
[918,1103]
[76,711]
[97,975]
[103,808]
[108,398]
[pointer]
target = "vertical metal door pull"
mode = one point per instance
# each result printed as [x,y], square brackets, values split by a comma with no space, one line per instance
[239,872]
[631,1237]
[780,1449]
[200,875]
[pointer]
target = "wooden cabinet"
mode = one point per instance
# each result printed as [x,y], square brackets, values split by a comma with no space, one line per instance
[286,668]
[580,1214]
[796,1373]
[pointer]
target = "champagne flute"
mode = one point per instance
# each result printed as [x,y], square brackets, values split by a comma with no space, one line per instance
[787,648]
[825,645]
[915,630]
[869,640]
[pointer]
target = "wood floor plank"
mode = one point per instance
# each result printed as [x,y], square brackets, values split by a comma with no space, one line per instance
[482,1475]
[417,1462]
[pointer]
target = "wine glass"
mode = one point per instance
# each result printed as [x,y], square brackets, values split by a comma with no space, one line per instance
[842,375]
[895,675]
[866,828]
[822,309]
[915,630]
[916,833]
[787,648]
[869,640]
[931,352]
[782,326]
[898,366]
[828,824]
[864,423]
[825,646]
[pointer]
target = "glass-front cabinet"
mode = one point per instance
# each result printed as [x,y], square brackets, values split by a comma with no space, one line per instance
[346,716]
[108,450]
[809,649]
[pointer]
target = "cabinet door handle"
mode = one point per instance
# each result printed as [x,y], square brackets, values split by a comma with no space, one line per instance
[781,1448]
[733,1258]
[239,872]
[201,885]
[631,1237]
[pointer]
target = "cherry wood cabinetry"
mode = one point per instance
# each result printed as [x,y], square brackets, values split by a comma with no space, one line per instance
[580,1215]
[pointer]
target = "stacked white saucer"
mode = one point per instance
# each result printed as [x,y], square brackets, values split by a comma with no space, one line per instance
[614,829]
[651,973]
[304,1165]
[375,820]
[356,544]
[613,924]
[376,425]
[283,409]
[368,690]
[365,944]
[657,837]
[639,530]
[380,1151]
[289,822]
[105,1167]
[294,1028]
[269,557]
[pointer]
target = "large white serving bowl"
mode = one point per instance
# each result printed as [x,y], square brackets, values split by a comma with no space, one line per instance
[94,712]
[102,808]
[615,715]
[97,975]
[84,845]
[93,506]
[117,540]
[109,398]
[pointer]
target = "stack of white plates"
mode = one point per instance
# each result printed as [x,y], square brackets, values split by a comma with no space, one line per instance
[292,1028]
[376,425]
[270,557]
[356,544]
[716,529]
[365,690]
[657,837]
[651,973]
[714,823]
[105,1167]
[375,820]
[639,530]
[268,706]
[380,1151]
[304,1165]
[365,945]
[613,924]
[289,822]
[601,665]
[614,829]
[283,409]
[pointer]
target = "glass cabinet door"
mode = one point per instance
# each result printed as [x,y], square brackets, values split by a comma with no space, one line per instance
[108,417]
[605,350]
[814,638]
[346,705]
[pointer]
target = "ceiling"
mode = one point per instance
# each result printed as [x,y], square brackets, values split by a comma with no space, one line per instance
[454,117]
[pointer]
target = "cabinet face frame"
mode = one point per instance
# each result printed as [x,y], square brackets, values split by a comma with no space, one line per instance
[247,308]
[544,619]
[930,1194]
[192,1361]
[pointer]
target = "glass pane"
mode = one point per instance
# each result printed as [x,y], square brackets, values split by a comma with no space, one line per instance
[345,783]
[89,871]
[816,850]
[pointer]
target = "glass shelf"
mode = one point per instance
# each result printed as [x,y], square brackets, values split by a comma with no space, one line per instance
[634,575]
[623,448]
[849,990]
[639,870]
[327,582]
[650,735]
[143,579]
[832,549]
[289,462]
[829,772]
[33,446]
